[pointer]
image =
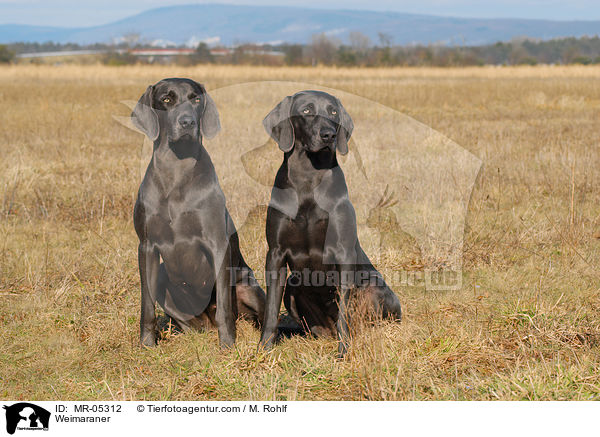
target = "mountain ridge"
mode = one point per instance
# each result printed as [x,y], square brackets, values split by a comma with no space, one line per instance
[234,24]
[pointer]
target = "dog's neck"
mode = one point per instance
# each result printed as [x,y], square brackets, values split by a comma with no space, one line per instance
[307,167]
[175,162]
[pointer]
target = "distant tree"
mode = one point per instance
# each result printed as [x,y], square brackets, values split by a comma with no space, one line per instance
[570,53]
[323,49]
[359,42]
[6,55]
[117,59]
[294,54]
[582,60]
[497,54]
[202,54]
[517,53]
[131,39]
[385,39]
[528,60]
[359,50]
[385,53]
[346,56]
[361,46]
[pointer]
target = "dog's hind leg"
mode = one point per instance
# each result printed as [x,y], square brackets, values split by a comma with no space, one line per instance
[250,299]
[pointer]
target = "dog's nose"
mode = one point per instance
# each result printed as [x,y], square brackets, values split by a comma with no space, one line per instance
[327,135]
[187,121]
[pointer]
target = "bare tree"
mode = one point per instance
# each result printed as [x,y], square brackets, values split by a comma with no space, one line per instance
[131,39]
[323,49]
[6,55]
[359,42]
[385,54]
[385,39]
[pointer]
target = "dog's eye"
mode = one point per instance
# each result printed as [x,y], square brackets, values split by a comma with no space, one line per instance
[197,100]
[333,112]
[306,111]
[166,100]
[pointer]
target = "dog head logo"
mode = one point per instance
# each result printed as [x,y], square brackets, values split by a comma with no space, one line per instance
[26,416]
[410,185]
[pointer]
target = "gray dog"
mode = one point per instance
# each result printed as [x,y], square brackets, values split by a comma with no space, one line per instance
[311,224]
[180,218]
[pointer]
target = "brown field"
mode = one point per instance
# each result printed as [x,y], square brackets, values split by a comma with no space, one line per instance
[525,325]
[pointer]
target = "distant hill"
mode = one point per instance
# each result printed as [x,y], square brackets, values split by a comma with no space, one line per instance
[230,24]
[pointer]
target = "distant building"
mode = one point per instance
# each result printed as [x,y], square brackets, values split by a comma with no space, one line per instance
[162,52]
[221,51]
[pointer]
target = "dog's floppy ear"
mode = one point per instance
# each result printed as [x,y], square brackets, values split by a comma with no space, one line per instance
[278,125]
[346,127]
[209,122]
[144,117]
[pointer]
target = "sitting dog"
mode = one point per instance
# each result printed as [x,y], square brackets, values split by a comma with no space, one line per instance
[180,218]
[311,224]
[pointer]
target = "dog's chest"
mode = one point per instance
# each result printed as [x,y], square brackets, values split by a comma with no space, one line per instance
[307,229]
[184,213]
[168,228]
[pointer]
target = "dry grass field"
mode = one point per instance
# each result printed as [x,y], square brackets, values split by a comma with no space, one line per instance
[525,325]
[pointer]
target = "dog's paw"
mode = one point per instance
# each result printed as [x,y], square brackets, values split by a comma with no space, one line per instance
[148,339]
[342,350]
[226,341]
[267,341]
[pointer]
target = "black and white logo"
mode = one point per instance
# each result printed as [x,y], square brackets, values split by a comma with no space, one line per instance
[26,416]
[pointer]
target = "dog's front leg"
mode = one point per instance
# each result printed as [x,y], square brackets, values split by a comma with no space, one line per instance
[224,316]
[341,243]
[275,273]
[342,321]
[149,263]
[344,252]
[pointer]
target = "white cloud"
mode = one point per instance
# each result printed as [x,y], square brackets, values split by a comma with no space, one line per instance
[211,40]
[299,27]
[336,31]
[162,43]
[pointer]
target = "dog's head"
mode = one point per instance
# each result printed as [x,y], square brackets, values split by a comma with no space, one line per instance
[176,109]
[313,120]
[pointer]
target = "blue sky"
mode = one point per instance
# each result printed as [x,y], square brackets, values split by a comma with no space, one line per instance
[76,13]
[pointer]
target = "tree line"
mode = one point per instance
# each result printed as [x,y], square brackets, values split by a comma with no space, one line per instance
[358,50]
[362,52]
